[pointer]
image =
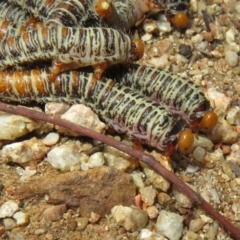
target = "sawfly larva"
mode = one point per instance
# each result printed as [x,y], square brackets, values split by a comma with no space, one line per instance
[89,13]
[70,13]
[70,48]
[179,95]
[120,107]
[124,14]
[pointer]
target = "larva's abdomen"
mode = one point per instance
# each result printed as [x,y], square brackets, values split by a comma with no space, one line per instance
[119,106]
[81,46]
[74,13]
[39,8]
[179,95]
[13,13]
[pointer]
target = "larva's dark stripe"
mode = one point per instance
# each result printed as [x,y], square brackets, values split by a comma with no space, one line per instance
[180,95]
[82,46]
[8,28]
[13,13]
[39,8]
[120,107]
[74,13]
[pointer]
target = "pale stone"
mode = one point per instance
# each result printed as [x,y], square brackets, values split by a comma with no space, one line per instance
[169,225]
[8,208]
[131,218]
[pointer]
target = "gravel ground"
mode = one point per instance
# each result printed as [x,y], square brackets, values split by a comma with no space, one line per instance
[207,54]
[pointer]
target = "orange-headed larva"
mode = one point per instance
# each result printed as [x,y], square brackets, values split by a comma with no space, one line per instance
[120,107]
[89,13]
[179,95]
[70,48]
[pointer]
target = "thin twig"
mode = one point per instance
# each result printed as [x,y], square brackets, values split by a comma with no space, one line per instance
[146,158]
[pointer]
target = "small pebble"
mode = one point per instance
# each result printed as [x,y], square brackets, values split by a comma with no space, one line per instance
[169,225]
[28,152]
[94,218]
[191,169]
[185,50]
[22,219]
[230,35]
[237,7]
[233,115]
[164,199]
[146,37]
[81,223]
[148,195]
[40,231]
[9,223]
[231,58]
[182,199]
[147,234]
[84,116]
[152,212]
[164,26]
[96,160]
[51,139]
[8,208]
[137,179]
[191,236]
[19,237]
[15,126]
[54,213]
[150,26]
[65,156]
[198,154]
[196,225]
[131,218]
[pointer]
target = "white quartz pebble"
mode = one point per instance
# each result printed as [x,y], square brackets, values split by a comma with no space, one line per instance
[8,209]
[131,218]
[21,218]
[169,225]
[51,139]
[96,160]
[231,58]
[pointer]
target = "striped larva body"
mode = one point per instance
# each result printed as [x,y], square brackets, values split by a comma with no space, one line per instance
[77,47]
[13,13]
[179,95]
[121,108]
[38,8]
[70,13]
[125,14]
[74,13]
[8,28]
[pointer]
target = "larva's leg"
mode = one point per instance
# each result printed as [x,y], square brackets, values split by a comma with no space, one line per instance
[98,70]
[58,67]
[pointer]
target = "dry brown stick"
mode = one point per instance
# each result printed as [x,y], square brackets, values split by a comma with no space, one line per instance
[146,158]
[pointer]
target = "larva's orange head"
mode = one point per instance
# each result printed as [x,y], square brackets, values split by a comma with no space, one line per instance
[137,50]
[185,141]
[103,8]
[208,121]
[180,20]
